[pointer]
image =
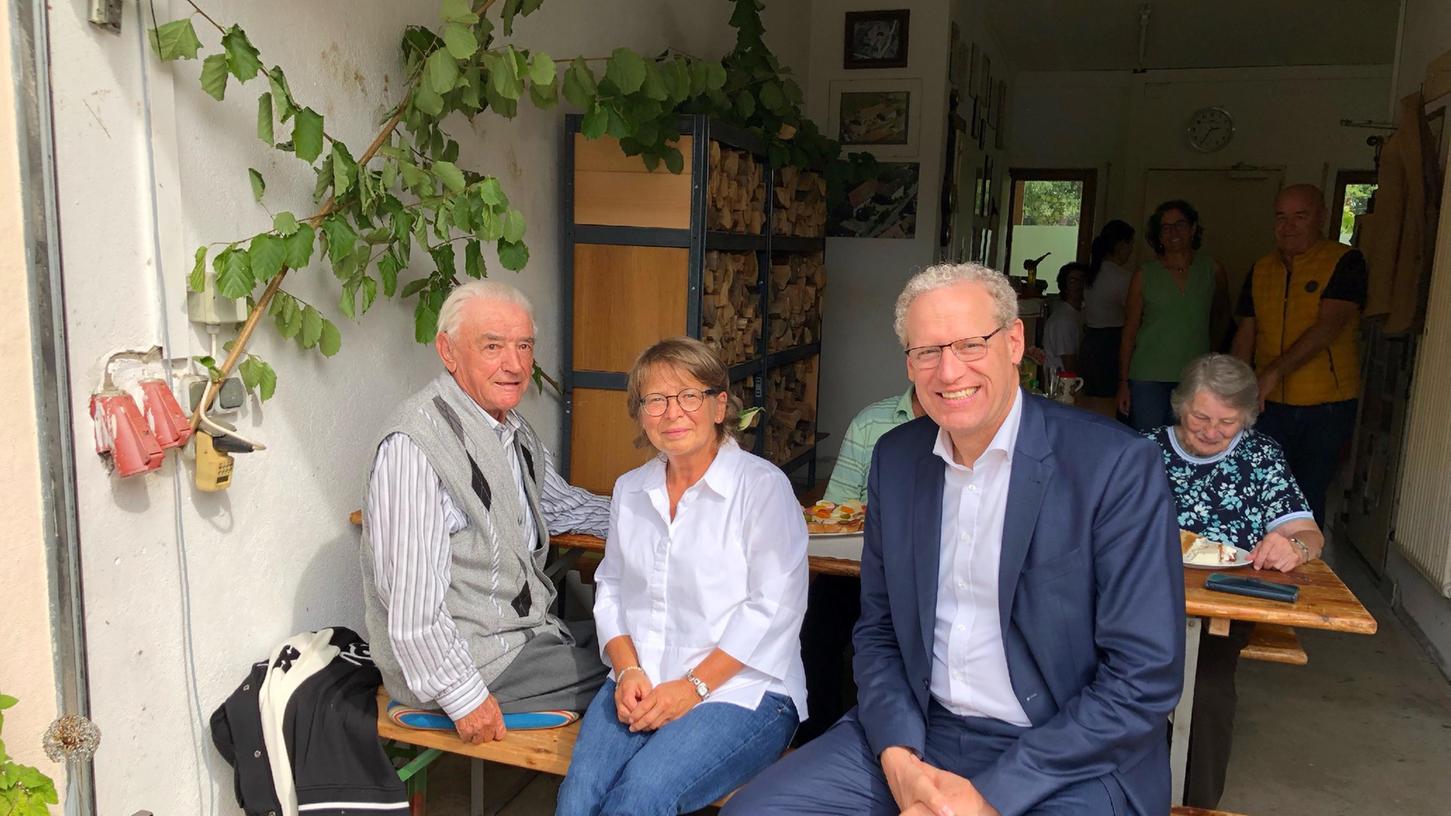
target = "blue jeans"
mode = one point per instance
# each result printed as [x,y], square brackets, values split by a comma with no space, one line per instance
[1149,404]
[681,767]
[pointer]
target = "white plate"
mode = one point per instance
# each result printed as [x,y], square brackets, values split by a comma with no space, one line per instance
[1241,559]
[836,534]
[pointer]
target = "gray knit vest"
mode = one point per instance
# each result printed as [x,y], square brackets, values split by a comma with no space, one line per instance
[498,594]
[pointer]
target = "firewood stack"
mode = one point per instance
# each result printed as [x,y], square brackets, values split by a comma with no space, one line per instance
[800,204]
[790,410]
[736,194]
[795,300]
[730,313]
[744,390]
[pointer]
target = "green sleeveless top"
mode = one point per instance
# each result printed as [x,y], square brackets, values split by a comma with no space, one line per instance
[1175,325]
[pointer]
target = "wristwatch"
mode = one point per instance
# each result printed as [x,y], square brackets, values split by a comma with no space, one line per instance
[700,687]
[1302,547]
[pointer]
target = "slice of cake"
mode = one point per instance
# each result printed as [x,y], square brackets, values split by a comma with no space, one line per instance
[1204,552]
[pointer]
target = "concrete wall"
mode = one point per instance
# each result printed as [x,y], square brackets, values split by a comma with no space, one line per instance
[184,589]
[27,669]
[1124,124]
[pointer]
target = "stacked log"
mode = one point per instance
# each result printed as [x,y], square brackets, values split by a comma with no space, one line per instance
[800,204]
[791,410]
[736,191]
[730,312]
[794,300]
[744,390]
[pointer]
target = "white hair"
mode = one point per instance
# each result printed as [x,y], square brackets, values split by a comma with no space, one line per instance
[940,276]
[450,317]
[1226,377]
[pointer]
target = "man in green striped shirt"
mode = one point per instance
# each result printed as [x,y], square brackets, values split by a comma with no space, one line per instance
[849,477]
[834,601]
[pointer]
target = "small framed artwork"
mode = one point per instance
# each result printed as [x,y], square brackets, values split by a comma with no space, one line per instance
[974,119]
[974,71]
[1002,122]
[1000,98]
[881,207]
[985,80]
[880,116]
[876,39]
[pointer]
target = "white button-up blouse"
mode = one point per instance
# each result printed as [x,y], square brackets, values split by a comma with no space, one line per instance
[728,572]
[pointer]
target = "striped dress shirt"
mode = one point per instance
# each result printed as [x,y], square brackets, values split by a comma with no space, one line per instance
[410,518]
[849,476]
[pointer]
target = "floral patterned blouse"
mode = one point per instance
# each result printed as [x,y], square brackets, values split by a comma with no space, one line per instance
[1235,496]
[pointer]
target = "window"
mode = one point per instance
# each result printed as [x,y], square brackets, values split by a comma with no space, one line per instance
[1353,191]
[1052,213]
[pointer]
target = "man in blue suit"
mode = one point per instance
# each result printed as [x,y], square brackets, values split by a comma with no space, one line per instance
[1021,641]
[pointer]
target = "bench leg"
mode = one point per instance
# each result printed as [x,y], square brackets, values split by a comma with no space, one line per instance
[476,787]
[418,793]
[1184,711]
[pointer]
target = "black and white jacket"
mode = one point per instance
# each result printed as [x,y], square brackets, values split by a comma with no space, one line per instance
[302,732]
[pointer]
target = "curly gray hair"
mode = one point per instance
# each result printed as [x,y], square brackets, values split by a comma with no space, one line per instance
[940,276]
[1227,378]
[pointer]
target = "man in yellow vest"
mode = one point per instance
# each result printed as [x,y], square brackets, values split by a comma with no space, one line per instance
[1299,321]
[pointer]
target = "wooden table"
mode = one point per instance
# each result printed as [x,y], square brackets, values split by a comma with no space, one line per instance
[818,564]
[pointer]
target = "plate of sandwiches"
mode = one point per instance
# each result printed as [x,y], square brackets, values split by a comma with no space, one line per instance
[829,518]
[1203,553]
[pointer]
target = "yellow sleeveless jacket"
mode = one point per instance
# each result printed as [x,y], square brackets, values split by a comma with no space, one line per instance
[1287,305]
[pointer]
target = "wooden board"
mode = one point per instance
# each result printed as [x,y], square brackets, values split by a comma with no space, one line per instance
[625,299]
[601,440]
[613,189]
[1273,643]
[1324,603]
[547,750]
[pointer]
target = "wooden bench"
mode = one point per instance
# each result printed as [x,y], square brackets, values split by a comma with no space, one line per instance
[1275,643]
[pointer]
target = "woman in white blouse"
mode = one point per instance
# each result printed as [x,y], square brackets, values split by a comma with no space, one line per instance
[1103,316]
[698,603]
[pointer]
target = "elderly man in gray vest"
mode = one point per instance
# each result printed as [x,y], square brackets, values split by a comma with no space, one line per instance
[462,499]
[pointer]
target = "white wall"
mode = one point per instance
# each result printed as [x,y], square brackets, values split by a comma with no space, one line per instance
[27,670]
[274,554]
[1425,35]
[1124,124]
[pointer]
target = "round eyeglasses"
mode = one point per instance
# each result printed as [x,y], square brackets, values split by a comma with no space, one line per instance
[689,400]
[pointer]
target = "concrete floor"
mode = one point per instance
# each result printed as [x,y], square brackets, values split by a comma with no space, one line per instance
[1363,730]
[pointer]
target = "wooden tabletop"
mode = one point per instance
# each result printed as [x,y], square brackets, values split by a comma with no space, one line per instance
[1324,603]
[819,565]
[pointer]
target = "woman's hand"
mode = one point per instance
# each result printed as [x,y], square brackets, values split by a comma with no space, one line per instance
[1124,401]
[1277,552]
[630,688]
[666,702]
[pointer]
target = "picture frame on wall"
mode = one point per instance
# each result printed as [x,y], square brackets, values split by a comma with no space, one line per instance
[1001,127]
[974,120]
[974,73]
[1000,97]
[881,117]
[876,39]
[985,79]
[880,207]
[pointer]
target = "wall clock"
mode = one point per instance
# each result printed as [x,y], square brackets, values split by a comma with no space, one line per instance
[1210,129]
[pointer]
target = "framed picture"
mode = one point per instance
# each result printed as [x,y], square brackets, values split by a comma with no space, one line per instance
[1001,125]
[974,119]
[985,80]
[879,116]
[880,207]
[974,73]
[1000,98]
[875,39]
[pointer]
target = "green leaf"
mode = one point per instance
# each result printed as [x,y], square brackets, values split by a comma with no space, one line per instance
[674,161]
[426,100]
[345,170]
[242,58]
[347,301]
[542,69]
[266,380]
[596,121]
[175,40]
[504,75]
[259,185]
[459,11]
[511,8]
[214,76]
[513,256]
[234,273]
[442,70]
[579,84]
[285,223]
[264,117]
[6,701]
[325,179]
[490,227]
[654,84]
[543,96]
[459,41]
[388,271]
[299,247]
[492,193]
[414,287]
[513,226]
[266,255]
[250,375]
[443,259]
[370,292]
[626,70]
[745,104]
[425,321]
[771,97]
[340,237]
[281,94]
[196,281]
[715,76]
[307,135]
[450,175]
[312,321]
[473,259]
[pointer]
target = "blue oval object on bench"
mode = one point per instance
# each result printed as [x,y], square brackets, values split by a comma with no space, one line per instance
[425,719]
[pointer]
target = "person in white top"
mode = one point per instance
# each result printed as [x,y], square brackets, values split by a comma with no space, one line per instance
[1103,316]
[698,605]
[1064,327]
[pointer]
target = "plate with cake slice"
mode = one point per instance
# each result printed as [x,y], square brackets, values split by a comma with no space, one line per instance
[1204,553]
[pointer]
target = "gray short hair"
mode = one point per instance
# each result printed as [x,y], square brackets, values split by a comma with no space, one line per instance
[1228,378]
[450,316]
[940,276]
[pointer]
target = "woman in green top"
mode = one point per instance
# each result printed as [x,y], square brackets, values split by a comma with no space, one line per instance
[1172,303]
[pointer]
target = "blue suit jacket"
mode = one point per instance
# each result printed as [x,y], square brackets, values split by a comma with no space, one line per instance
[1090,593]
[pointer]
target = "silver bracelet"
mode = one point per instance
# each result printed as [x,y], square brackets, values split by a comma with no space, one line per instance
[620,675]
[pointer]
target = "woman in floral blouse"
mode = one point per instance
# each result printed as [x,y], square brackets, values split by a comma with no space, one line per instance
[1230,485]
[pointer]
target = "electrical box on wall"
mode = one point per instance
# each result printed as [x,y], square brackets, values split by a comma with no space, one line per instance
[207,306]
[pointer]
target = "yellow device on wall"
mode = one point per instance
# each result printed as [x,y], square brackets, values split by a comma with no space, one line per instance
[213,467]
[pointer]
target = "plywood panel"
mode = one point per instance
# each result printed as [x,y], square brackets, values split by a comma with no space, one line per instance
[614,189]
[601,440]
[625,298]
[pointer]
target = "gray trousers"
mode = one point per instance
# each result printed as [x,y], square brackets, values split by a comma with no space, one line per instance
[550,673]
